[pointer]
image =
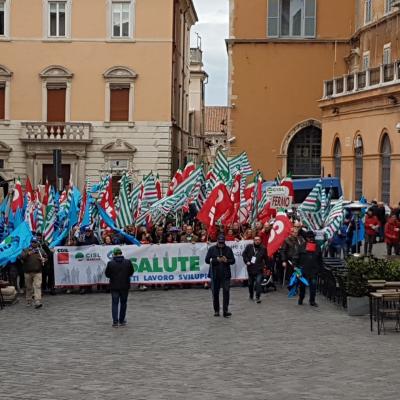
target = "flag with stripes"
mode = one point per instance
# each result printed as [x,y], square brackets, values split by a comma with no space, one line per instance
[334,220]
[240,164]
[311,210]
[125,216]
[221,167]
[48,228]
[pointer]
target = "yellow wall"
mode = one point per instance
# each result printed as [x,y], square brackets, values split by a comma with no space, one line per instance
[88,54]
[277,86]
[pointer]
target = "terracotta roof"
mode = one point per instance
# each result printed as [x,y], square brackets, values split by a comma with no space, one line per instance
[216,119]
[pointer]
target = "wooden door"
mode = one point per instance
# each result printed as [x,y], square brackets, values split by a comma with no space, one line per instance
[48,172]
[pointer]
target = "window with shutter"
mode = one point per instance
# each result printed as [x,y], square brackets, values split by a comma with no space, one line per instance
[2,102]
[2,19]
[119,104]
[56,104]
[309,18]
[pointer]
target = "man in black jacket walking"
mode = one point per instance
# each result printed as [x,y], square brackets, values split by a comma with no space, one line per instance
[310,260]
[256,258]
[119,271]
[220,257]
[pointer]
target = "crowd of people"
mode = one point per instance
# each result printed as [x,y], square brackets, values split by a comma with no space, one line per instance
[33,271]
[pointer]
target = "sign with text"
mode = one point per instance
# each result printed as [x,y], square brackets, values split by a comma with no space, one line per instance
[164,263]
[277,191]
[280,201]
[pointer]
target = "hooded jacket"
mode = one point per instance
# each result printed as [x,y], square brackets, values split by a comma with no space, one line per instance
[221,270]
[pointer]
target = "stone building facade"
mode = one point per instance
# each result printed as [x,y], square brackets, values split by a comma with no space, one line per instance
[106,82]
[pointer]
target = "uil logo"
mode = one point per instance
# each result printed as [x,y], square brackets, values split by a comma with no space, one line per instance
[110,255]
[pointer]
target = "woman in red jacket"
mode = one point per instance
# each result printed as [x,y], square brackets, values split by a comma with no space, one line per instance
[371,230]
[392,235]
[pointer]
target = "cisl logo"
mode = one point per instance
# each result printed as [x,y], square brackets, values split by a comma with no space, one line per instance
[62,256]
[79,256]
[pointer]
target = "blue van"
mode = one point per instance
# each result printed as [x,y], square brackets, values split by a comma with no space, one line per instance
[302,187]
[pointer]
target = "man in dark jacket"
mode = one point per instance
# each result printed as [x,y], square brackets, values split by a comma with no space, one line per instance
[256,258]
[33,261]
[290,250]
[220,257]
[119,271]
[310,260]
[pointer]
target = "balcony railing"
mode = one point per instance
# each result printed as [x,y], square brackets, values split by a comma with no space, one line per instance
[60,131]
[194,142]
[371,78]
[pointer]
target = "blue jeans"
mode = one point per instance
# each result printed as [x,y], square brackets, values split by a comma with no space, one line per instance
[119,298]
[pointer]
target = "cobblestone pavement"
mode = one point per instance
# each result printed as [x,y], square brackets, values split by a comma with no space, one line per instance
[174,348]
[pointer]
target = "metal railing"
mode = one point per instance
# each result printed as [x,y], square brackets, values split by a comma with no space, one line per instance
[369,79]
[65,131]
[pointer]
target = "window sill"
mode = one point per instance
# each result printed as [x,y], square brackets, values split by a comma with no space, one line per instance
[110,124]
[121,40]
[5,39]
[57,39]
[5,122]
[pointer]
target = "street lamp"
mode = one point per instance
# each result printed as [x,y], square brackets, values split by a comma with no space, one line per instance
[356,209]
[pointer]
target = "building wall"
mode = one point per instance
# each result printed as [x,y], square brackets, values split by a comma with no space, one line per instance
[369,113]
[88,53]
[275,83]
[275,87]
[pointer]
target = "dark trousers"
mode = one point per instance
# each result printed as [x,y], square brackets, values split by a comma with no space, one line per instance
[368,243]
[216,284]
[390,247]
[119,299]
[313,288]
[48,277]
[255,281]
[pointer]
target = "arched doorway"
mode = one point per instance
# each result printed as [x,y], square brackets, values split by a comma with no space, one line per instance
[359,166]
[337,154]
[304,153]
[386,151]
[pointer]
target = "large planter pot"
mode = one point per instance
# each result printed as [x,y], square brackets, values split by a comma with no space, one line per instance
[357,305]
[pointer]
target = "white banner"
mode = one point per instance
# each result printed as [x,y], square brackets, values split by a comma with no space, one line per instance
[164,263]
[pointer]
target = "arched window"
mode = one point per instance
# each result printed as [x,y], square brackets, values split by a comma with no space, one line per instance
[304,153]
[337,153]
[386,151]
[359,161]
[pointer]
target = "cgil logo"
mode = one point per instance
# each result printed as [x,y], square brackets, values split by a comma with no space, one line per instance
[62,256]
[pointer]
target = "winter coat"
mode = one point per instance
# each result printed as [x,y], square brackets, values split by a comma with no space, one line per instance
[220,270]
[119,270]
[33,260]
[291,248]
[260,253]
[371,221]
[391,234]
[310,260]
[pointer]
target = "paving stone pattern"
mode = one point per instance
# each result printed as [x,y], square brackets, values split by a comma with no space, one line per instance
[174,348]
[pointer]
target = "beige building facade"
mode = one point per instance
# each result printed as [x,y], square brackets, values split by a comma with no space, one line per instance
[106,82]
[291,116]
[361,110]
[216,126]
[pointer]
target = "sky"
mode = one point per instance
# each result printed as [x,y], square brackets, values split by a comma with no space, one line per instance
[213,27]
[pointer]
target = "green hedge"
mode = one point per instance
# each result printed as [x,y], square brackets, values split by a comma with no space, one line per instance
[360,270]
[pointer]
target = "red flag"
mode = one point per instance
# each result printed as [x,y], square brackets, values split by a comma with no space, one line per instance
[46,193]
[189,168]
[216,205]
[18,197]
[176,180]
[29,190]
[83,205]
[288,182]
[279,232]
[107,201]
[232,214]
[158,188]
[267,213]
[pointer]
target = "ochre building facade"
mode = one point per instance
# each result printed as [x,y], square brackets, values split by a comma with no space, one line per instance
[107,82]
[282,57]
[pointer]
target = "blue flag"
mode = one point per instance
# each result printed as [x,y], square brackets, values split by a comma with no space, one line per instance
[14,244]
[59,239]
[109,221]
[72,215]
